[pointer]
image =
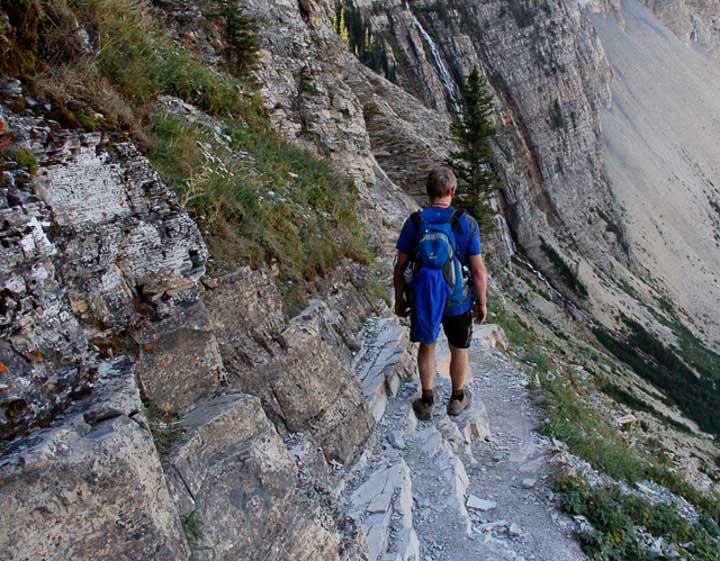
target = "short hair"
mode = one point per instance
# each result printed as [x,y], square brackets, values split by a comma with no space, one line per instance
[440,183]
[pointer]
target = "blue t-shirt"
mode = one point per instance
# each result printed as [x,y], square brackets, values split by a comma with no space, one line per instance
[467,240]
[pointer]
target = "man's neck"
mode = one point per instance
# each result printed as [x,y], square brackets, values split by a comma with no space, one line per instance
[443,202]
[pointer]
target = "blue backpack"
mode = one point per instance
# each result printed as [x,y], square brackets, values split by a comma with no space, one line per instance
[436,260]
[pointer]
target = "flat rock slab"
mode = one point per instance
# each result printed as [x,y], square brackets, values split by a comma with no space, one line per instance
[91,486]
[382,361]
[483,505]
[384,495]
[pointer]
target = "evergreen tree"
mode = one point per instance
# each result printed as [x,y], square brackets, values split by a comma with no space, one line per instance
[242,37]
[473,130]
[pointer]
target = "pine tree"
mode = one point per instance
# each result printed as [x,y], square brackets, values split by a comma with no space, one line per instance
[242,37]
[477,182]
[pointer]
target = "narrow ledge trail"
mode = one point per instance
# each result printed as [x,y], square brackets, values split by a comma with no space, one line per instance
[474,488]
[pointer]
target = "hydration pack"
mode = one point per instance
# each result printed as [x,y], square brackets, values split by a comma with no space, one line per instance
[436,252]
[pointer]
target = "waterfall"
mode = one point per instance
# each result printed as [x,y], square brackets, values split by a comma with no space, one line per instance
[503,228]
[447,81]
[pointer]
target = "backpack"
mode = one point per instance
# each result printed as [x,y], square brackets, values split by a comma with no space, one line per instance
[436,250]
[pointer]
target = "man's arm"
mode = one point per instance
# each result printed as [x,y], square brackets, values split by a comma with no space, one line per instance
[479,276]
[402,307]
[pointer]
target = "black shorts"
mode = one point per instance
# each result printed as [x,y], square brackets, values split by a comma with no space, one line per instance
[458,330]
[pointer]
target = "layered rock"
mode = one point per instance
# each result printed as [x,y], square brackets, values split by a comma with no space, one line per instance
[95,243]
[233,477]
[295,369]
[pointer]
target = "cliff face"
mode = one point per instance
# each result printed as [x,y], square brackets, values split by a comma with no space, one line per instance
[556,78]
[693,22]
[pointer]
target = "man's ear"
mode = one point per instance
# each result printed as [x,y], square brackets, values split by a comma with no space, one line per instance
[453,191]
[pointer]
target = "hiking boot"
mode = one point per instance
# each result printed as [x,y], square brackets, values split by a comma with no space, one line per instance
[457,406]
[423,410]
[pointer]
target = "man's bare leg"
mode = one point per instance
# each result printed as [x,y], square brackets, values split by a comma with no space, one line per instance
[459,366]
[426,365]
[423,405]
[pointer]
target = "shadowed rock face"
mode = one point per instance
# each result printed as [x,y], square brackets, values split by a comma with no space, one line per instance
[295,369]
[91,486]
[233,472]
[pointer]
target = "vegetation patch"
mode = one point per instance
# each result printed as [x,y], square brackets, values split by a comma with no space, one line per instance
[259,199]
[621,396]
[368,45]
[165,427]
[557,121]
[128,63]
[589,435]
[26,159]
[617,519]
[696,396]
[566,272]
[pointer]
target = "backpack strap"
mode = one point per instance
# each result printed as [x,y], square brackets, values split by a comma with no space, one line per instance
[417,219]
[455,218]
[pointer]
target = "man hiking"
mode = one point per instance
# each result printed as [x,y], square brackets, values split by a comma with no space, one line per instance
[435,245]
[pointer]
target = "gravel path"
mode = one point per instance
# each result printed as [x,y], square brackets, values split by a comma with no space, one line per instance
[475,488]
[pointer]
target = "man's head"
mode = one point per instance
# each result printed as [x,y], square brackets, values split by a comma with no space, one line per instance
[441,183]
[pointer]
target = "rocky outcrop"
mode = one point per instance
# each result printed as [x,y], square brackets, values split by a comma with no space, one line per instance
[91,485]
[232,475]
[98,257]
[95,243]
[288,365]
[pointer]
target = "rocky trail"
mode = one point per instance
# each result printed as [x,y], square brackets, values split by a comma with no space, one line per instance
[474,488]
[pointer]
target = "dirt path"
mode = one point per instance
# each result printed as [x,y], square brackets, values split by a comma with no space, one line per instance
[475,488]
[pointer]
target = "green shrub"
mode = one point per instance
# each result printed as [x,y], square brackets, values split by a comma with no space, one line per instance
[617,517]
[165,427]
[26,159]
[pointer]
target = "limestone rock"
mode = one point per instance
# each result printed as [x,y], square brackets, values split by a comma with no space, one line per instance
[295,370]
[232,473]
[482,505]
[383,361]
[490,335]
[91,486]
[385,493]
[180,359]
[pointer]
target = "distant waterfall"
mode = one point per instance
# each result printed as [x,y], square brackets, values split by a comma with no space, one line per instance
[503,228]
[447,81]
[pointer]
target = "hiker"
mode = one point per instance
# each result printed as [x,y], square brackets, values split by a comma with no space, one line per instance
[437,246]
